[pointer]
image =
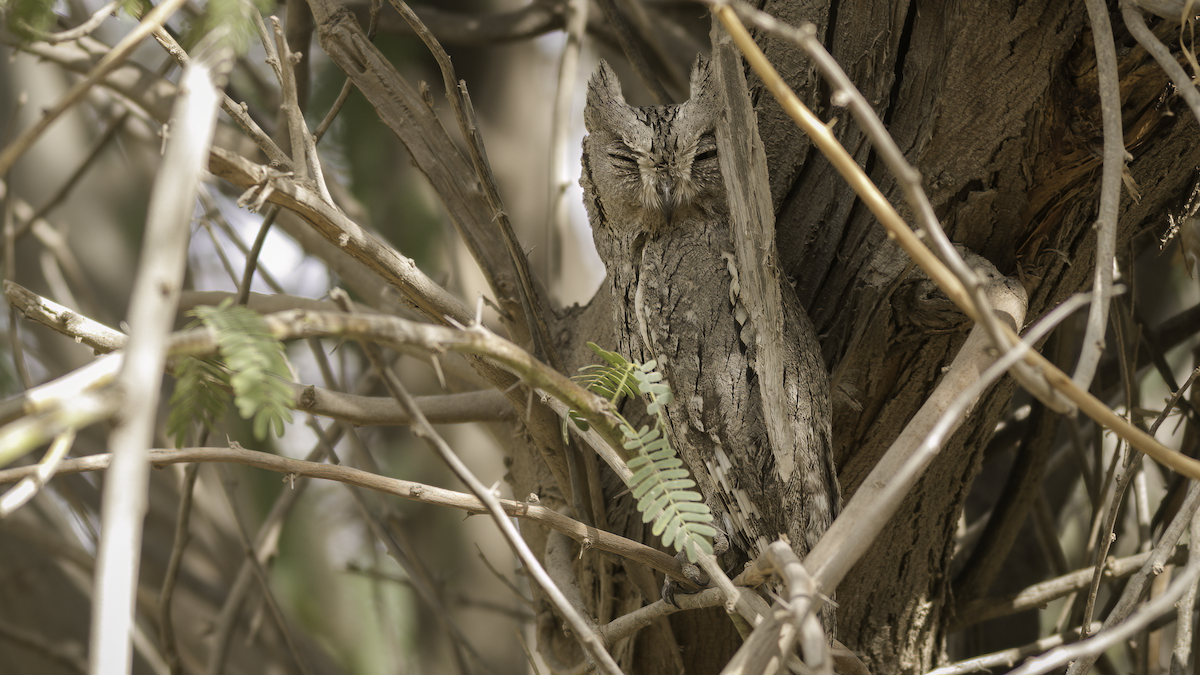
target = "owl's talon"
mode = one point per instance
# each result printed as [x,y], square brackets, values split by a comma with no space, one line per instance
[694,574]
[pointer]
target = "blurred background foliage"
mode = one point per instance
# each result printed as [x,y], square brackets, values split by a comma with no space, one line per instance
[346,605]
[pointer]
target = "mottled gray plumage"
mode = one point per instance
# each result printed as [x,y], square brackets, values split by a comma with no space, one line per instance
[657,204]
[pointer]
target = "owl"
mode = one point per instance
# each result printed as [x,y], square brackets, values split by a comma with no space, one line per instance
[659,214]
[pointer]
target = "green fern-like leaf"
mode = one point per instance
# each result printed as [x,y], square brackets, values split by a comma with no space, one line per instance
[613,380]
[256,362]
[660,483]
[201,391]
[664,492]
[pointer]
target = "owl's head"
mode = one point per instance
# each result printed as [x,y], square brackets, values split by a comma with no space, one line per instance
[661,160]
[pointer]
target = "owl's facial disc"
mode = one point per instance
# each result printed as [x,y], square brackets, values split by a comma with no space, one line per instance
[673,177]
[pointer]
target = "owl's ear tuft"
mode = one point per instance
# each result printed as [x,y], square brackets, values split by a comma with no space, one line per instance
[603,96]
[703,80]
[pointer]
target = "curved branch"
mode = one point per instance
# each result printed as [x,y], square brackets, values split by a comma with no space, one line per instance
[584,534]
[1110,192]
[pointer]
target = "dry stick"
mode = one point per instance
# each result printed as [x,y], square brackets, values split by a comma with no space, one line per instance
[582,629]
[485,405]
[247,279]
[1039,594]
[417,574]
[152,310]
[218,248]
[236,111]
[153,20]
[419,578]
[304,148]
[947,281]
[464,113]
[93,22]
[1098,520]
[399,272]
[775,638]
[802,590]
[166,624]
[29,487]
[1106,536]
[260,573]
[265,542]
[1007,657]
[392,331]
[388,532]
[84,400]
[1132,467]
[1082,654]
[1138,583]
[1184,624]
[1110,191]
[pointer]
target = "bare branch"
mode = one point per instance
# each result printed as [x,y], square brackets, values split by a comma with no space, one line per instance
[531,510]
[159,278]
[111,59]
[1110,192]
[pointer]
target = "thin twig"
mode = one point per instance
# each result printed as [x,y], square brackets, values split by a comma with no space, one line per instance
[1110,191]
[152,311]
[597,539]
[1008,657]
[265,547]
[92,23]
[260,239]
[580,626]
[1120,617]
[1184,623]
[153,20]
[1107,535]
[166,623]
[260,573]
[464,113]
[1087,651]
[29,487]
[1039,594]
[236,111]
[307,165]
[881,493]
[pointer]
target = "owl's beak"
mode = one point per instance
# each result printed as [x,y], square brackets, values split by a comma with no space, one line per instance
[668,199]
